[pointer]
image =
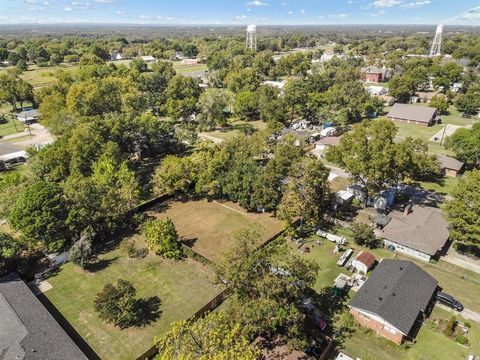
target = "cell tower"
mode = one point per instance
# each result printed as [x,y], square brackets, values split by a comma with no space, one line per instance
[252,37]
[436,49]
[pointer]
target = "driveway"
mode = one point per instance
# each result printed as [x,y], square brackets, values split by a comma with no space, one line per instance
[466,313]
[214,139]
[462,261]
[40,135]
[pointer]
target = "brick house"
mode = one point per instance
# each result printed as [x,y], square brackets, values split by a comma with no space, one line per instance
[413,114]
[394,299]
[375,74]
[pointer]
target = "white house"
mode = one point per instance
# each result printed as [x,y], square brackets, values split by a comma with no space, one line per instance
[377,90]
[148,58]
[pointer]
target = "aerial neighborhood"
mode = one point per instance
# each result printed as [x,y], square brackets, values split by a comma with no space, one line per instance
[237,192]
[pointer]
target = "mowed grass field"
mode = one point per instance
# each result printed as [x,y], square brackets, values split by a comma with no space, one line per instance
[183,287]
[209,228]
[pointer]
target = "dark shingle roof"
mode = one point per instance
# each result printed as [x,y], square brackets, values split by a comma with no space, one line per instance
[397,291]
[27,330]
[412,112]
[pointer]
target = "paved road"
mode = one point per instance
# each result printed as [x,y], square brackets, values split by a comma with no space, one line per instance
[466,313]
[39,135]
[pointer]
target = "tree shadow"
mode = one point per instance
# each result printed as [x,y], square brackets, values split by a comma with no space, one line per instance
[149,310]
[100,264]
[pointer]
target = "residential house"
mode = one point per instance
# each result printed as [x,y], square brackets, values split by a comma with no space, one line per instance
[115,56]
[27,329]
[179,55]
[394,300]
[419,231]
[148,58]
[328,141]
[413,114]
[424,97]
[375,74]
[363,262]
[450,166]
[278,349]
[377,90]
[11,154]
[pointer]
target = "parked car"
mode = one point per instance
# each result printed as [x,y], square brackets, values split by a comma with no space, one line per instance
[449,300]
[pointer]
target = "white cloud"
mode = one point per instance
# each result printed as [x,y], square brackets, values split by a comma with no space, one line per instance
[120,12]
[415,4]
[338,16]
[290,13]
[257,3]
[240,17]
[385,3]
[104,1]
[470,14]
[378,13]
[302,11]
[67,8]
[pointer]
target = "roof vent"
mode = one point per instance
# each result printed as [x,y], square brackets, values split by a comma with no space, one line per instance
[393,294]
[380,298]
[401,267]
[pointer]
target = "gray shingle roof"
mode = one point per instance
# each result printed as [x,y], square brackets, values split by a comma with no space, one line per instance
[374,70]
[397,291]
[448,162]
[423,229]
[27,330]
[412,112]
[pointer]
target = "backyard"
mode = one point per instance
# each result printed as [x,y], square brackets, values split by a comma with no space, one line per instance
[209,227]
[10,126]
[183,287]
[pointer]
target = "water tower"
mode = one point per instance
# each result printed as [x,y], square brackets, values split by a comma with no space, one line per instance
[252,37]
[436,49]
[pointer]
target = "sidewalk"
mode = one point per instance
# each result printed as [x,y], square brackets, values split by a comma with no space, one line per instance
[462,261]
[466,313]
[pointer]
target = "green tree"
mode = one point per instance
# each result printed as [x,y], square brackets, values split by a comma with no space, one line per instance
[402,88]
[363,235]
[464,211]
[213,337]
[267,288]
[470,101]
[162,238]
[174,174]
[9,249]
[246,105]
[81,252]
[465,143]
[182,96]
[215,106]
[307,194]
[440,103]
[40,214]
[117,304]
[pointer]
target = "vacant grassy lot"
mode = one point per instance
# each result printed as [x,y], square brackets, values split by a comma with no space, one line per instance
[237,128]
[183,288]
[209,227]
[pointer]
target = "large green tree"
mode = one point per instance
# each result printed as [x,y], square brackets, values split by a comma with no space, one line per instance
[465,143]
[464,211]
[40,214]
[162,238]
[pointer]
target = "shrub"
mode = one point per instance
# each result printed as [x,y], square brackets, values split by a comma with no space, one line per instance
[162,238]
[356,203]
[81,253]
[118,305]
[129,247]
[450,326]
[462,339]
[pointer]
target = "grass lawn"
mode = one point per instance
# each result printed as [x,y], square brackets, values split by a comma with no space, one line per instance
[20,138]
[237,129]
[339,183]
[183,288]
[448,185]
[12,126]
[209,227]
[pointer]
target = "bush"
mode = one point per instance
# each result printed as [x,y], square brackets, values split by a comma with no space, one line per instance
[450,326]
[162,238]
[356,203]
[81,252]
[118,305]
[3,119]
[363,235]
[129,247]
[462,339]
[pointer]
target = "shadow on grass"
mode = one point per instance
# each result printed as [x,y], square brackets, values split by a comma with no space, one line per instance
[101,264]
[149,310]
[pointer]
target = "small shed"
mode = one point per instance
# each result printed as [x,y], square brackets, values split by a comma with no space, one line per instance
[363,262]
[450,166]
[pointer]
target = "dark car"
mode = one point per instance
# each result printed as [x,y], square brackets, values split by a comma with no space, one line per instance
[449,301]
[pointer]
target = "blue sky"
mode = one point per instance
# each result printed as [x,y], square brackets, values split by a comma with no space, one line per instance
[242,11]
